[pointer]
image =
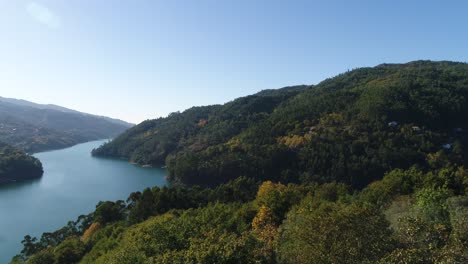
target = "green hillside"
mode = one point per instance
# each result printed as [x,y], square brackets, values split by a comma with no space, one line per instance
[195,129]
[365,167]
[34,127]
[16,165]
[337,130]
[411,216]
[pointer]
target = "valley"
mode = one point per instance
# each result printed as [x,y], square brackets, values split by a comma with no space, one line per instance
[366,167]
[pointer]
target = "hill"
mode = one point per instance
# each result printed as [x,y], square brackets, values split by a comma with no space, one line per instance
[34,127]
[16,165]
[410,216]
[351,128]
[365,167]
[195,129]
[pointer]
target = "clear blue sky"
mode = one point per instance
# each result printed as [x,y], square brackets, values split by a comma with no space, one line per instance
[138,59]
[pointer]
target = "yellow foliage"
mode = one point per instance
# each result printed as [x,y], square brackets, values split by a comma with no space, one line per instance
[270,194]
[264,228]
[150,133]
[92,229]
[267,189]
[234,143]
[202,122]
[332,119]
[263,218]
[294,141]
[437,159]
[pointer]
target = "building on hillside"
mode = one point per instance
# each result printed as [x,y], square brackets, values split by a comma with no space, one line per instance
[393,124]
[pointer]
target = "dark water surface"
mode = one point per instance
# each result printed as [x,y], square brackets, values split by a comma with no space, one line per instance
[73,183]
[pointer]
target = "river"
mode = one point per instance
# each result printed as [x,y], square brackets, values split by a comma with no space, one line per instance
[73,183]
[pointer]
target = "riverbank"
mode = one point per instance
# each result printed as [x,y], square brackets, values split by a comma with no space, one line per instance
[72,184]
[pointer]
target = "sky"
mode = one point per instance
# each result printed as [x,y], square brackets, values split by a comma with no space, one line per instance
[138,60]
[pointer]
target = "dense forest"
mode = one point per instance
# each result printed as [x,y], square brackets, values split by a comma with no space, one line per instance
[16,165]
[34,127]
[365,167]
[351,128]
[410,216]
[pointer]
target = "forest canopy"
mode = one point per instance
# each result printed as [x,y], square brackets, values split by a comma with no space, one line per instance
[351,128]
[16,165]
[367,167]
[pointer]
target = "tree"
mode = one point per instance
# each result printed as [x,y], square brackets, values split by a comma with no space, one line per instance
[43,257]
[69,251]
[278,198]
[333,233]
[29,245]
[433,205]
[265,229]
[107,212]
[143,208]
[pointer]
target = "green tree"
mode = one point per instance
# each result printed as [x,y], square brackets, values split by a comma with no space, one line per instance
[333,233]
[107,212]
[69,251]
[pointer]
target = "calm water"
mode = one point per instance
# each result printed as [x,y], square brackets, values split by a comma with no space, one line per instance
[73,183]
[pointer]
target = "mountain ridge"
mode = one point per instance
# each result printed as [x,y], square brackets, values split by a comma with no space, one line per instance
[35,127]
[59,108]
[302,130]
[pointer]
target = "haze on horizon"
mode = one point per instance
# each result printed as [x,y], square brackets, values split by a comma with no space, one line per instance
[138,60]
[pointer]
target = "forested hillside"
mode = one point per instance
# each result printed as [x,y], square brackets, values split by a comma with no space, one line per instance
[351,128]
[16,165]
[34,127]
[411,216]
[365,167]
[195,129]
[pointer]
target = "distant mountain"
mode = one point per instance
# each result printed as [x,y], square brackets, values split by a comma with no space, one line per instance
[36,127]
[22,102]
[16,165]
